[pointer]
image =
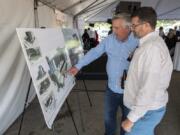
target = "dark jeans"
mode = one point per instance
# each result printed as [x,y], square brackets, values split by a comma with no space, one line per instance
[112,102]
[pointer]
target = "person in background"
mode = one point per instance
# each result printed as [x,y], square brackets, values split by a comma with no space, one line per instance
[110,31]
[175,30]
[86,40]
[178,34]
[92,37]
[97,38]
[171,40]
[145,94]
[161,32]
[118,46]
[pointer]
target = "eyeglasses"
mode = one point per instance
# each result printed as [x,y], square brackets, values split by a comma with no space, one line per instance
[133,26]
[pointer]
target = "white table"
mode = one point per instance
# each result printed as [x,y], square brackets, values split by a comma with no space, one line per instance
[176,61]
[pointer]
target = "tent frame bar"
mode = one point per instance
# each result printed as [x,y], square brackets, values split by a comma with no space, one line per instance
[169,11]
[82,11]
[75,4]
[101,10]
[92,7]
[96,10]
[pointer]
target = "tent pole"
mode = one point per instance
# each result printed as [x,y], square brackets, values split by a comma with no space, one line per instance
[36,23]
[36,19]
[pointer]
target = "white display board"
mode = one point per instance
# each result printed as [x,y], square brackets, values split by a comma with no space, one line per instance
[73,44]
[48,61]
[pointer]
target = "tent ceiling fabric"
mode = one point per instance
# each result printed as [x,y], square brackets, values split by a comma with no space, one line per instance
[69,6]
[101,10]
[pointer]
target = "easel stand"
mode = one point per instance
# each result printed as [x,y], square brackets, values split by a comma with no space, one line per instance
[85,88]
[72,117]
[69,109]
[24,110]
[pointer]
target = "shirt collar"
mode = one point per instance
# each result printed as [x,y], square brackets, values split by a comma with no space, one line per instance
[146,37]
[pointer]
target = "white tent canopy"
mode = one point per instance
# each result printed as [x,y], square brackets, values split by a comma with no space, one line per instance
[15,77]
[91,11]
[101,10]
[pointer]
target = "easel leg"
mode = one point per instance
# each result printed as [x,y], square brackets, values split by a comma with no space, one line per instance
[80,110]
[53,129]
[72,117]
[86,91]
[24,110]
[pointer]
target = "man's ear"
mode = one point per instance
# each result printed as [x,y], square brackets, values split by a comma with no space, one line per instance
[147,24]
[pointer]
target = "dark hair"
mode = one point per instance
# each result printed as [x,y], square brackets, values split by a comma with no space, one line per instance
[146,14]
[161,28]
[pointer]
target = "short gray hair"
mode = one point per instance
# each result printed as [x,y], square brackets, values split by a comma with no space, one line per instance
[125,16]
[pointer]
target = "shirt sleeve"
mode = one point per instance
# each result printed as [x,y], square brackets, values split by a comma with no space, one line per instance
[92,55]
[149,77]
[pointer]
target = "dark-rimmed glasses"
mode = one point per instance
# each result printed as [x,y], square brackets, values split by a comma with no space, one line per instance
[133,26]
